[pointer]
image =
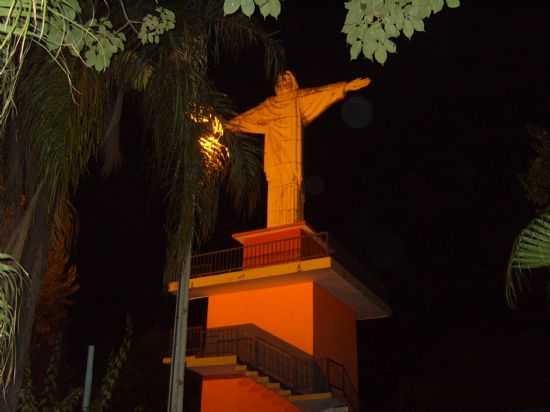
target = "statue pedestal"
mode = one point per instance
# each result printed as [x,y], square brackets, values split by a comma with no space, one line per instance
[281,244]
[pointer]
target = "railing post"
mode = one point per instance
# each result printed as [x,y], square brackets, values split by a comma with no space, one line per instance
[255,350]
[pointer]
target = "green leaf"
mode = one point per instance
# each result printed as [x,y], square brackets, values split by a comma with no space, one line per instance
[453,4]
[397,18]
[386,19]
[353,16]
[377,31]
[275,8]
[380,54]
[418,24]
[265,9]
[68,12]
[423,8]
[353,35]
[355,49]
[248,7]
[390,28]
[408,29]
[412,10]
[437,5]
[231,6]
[377,6]
[55,34]
[390,46]
[74,5]
[369,47]
[346,28]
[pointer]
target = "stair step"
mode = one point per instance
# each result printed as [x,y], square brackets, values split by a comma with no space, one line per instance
[273,385]
[311,396]
[228,360]
[251,374]
[284,392]
[262,379]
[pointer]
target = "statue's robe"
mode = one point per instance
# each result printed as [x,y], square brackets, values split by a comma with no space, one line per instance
[281,119]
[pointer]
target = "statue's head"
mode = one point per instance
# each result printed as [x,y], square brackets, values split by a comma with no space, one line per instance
[286,82]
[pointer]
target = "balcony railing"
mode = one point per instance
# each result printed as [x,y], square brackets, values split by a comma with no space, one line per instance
[292,249]
[307,246]
[273,357]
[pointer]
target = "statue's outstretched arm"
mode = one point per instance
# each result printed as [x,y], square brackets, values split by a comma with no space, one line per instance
[357,84]
[316,100]
[251,121]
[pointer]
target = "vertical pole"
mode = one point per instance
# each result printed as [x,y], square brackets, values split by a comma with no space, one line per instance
[88,379]
[179,338]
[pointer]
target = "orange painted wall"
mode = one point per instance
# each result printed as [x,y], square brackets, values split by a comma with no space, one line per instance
[334,331]
[272,236]
[241,395]
[284,311]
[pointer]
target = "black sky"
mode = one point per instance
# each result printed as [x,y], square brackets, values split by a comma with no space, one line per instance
[427,196]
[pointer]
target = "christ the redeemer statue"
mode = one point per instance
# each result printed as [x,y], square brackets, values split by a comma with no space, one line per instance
[281,118]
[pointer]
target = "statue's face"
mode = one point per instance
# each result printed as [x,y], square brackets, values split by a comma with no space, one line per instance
[285,83]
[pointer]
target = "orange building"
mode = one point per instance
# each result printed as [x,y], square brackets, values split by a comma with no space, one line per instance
[281,324]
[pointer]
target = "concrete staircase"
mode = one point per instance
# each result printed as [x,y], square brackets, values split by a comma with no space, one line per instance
[228,366]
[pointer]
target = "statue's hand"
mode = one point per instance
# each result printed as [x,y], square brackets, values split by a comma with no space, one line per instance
[357,84]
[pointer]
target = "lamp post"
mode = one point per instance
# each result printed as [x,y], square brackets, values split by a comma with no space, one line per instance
[179,338]
[88,379]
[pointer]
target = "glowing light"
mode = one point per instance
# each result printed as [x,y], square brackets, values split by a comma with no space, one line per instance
[215,153]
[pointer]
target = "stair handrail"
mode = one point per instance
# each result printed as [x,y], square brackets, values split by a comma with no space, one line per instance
[346,386]
[290,366]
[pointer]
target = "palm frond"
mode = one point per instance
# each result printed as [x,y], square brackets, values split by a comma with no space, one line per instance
[172,91]
[115,364]
[536,180]
[244,172]
[49,392]
[232,35]
[60,279]
[67,126]
[63,129]
[27,400]
[46,24]
[70,402]
[531,250]
[13,281]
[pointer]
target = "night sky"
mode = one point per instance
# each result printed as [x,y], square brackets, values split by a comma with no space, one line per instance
[427,196]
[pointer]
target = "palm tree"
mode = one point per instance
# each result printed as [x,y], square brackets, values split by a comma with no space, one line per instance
[59,127]
[12,279]
[531,249]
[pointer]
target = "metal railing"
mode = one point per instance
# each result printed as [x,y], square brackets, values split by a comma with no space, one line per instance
[307,246]
[340,381]
[273,357]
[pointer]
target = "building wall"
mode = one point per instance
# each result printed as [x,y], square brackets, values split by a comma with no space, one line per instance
[241,395]
[304,315]
[284,311]
[334,331]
